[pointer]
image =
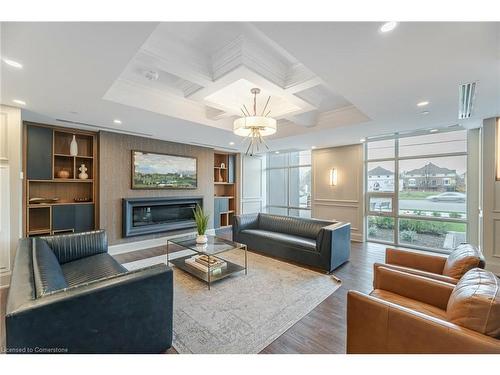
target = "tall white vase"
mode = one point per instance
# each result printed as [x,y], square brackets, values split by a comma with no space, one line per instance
[73,147]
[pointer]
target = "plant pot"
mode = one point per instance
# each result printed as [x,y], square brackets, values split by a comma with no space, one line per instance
[201,238]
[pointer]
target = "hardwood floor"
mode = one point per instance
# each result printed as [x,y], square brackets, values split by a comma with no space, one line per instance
[323,330]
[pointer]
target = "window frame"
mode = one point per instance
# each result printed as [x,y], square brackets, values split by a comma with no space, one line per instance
[287,168]
[395,213]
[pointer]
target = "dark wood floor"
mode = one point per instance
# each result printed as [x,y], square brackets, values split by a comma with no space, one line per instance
[323,330]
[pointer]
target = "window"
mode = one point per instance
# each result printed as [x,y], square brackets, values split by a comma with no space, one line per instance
[289,183]
[416,193]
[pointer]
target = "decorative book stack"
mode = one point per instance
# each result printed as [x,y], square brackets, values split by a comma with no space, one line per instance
[200,262]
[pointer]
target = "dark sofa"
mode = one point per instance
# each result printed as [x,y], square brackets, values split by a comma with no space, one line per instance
[318,243]
[68,295]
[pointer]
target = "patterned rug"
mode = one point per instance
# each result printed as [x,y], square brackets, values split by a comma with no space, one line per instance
[242,313]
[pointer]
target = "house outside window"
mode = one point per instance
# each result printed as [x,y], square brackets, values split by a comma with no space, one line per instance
[416,190]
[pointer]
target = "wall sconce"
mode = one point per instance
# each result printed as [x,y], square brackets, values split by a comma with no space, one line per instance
[333,177]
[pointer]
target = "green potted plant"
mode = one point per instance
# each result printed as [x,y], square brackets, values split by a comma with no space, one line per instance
[201,220]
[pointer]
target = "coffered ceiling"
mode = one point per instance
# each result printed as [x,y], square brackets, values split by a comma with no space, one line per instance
[330,83]
[203,72]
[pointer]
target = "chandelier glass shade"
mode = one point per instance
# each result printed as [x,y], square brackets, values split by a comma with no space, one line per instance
[254,127]
[245,125]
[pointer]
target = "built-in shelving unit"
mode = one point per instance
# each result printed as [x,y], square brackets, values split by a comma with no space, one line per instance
[224,189]
[46,153]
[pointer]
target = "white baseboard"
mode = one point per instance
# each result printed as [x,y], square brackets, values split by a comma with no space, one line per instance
[146,244]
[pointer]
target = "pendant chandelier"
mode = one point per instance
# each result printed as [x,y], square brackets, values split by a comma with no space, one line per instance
[255,127]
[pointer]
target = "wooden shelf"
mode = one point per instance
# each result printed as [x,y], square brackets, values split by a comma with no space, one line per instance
[63,180]
[39,231]
[224,188]
[42,181]
[59,203]
[75,156]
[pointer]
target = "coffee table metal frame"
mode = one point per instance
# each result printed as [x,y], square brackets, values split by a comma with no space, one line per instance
[215,247]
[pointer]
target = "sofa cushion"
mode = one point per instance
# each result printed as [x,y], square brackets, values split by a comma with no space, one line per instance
[409,303]
[288,239]
[464,258]
[295,226]
[91,268]
[47,272]
[475,302]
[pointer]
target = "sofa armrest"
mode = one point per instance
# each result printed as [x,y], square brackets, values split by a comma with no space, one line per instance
[375,326]
[334,243]
[433,292]
[22,285]
[425,262]
[127,313]
[70,247]
[247,221]
[413,271]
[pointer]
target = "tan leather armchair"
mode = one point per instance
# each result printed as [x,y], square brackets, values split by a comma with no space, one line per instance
[448,268]
[408,313]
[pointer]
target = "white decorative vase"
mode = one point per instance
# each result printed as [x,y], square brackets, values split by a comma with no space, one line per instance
[83,175]
[73,147]
[201,238]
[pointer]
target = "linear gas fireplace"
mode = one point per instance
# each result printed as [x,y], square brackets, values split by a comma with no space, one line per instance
[155,215]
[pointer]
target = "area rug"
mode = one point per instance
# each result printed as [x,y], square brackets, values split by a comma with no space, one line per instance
[242,313]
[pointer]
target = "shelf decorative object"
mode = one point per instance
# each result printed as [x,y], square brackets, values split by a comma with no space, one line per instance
[83,175]
[63,173]
[73,147]
[201,218]
[219,177]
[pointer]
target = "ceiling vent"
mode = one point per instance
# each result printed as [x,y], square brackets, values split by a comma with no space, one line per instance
[466,93]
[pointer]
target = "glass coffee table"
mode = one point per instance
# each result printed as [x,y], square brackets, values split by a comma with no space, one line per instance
[213,252]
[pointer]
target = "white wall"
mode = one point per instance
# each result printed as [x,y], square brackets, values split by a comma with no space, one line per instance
[343,202]
[10,185]
[474,185]
[490,196]
[253,193]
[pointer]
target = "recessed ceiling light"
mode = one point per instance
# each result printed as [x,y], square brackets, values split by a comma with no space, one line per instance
[388,26]
[424,113]
[362,140]
[276,152]
[422,104]
[231,143]
[13,63]
[20,102]
[313,147]
[434,130]
[117,121]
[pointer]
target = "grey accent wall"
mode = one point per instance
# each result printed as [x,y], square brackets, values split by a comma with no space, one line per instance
[343,202]
[490,196]
[115,179]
